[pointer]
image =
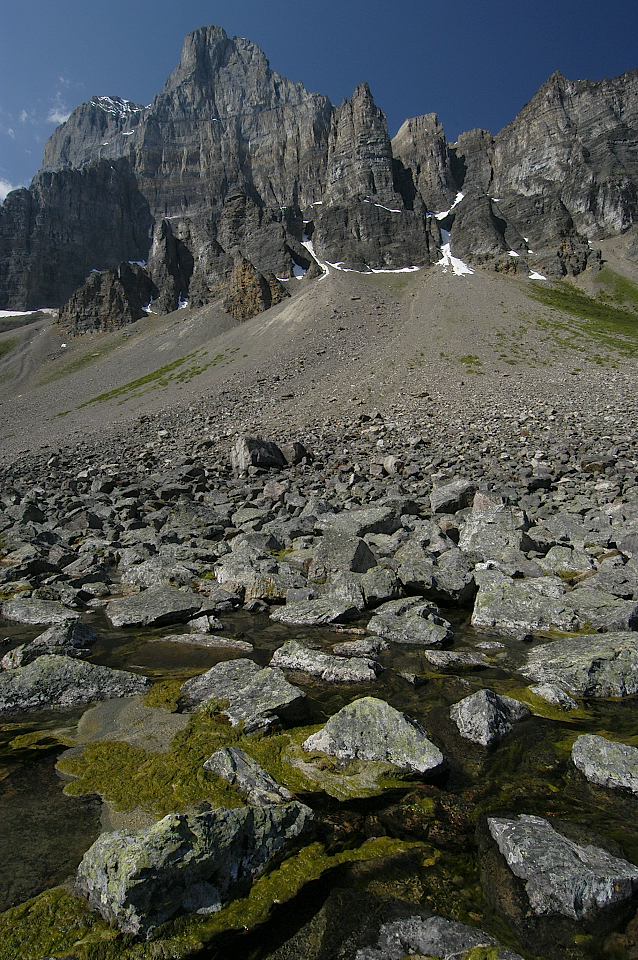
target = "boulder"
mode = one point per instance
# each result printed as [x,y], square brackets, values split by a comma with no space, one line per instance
[370,729]
[234,766]
[411,621]
[254,452]
[246,693]
[486,717]
[55,681]
[336,552]
[190,863]
[518,607]
[155,607]
[315,610]
[434,937]
[606,762]
[71,638]
[295,656]
[452,496]
[590,665]
[492,529]
[561,876]
[37,612]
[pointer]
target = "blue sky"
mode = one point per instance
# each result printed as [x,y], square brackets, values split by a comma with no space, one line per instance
[473,63]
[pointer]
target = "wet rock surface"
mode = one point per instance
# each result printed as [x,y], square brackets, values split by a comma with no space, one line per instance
[452,605]
[184,863]
[57,681]
[561,876]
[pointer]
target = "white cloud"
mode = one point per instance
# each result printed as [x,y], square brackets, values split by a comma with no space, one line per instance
[11,133]
[59,112]
[57,115]
[24,116]
[5,188]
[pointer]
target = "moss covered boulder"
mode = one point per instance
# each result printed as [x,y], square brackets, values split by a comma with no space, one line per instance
[186,863]
[370,729]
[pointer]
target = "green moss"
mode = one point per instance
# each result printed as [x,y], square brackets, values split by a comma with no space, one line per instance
[51,925]
[56,923]
[613,286]
[542,708]
[163,694]
[158,782]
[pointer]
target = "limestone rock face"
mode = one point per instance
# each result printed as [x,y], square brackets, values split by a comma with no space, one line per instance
[232,163]
[364,220]
[108,299]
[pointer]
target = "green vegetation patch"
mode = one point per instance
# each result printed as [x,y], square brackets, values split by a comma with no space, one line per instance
[6,346]
[56,923]
[158,782]
[164,694]
[598,320]
[614,287]
[181,370]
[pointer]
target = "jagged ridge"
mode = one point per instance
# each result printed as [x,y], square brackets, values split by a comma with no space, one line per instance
[232,163]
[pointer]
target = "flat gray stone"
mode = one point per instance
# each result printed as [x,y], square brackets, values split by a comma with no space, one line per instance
[561,876]
[206,640]
[370,729]
[606,762]
[295,656]
[235,767]
[434,937]
[260,698]
[410,621]
[591,665]
[554,693]
[156,607]
[55,681]
[486,717]
[325,609]
[37,612]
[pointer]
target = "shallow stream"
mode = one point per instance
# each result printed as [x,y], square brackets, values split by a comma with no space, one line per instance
[45,832]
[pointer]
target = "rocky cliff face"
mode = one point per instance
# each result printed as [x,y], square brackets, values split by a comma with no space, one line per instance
[232,163]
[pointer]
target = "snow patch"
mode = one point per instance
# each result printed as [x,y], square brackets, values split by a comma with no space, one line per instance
[382,207]
[116,106]
[446,213]
[182,304]
[137,263]
[513,253]
[447,260]
[308,244]
[536,276]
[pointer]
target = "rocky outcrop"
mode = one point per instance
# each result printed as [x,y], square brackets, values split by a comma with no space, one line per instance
[232,164]
[250,292]
[108,299]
